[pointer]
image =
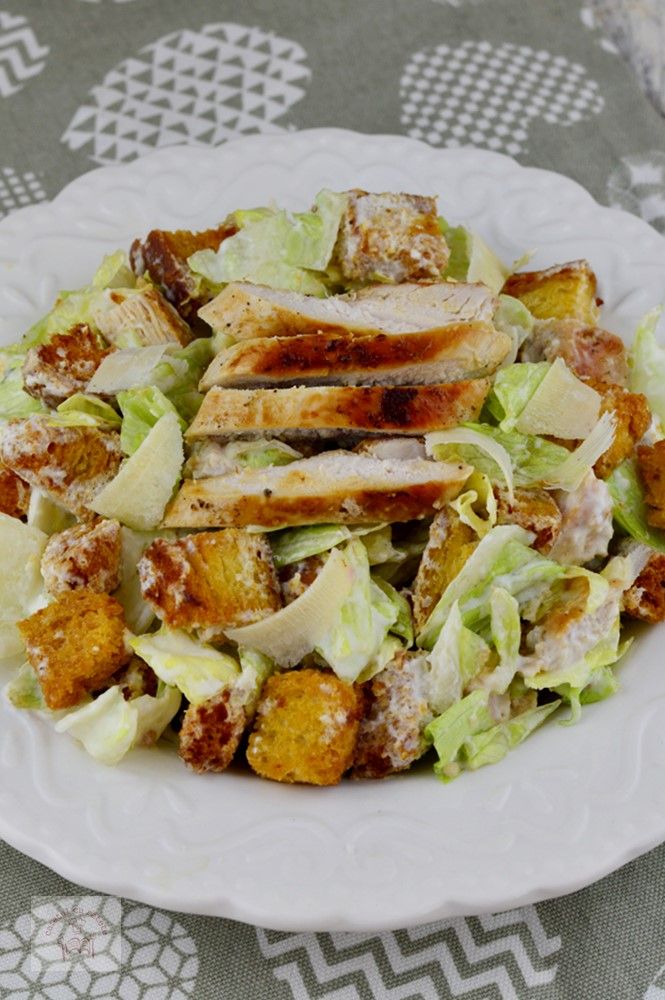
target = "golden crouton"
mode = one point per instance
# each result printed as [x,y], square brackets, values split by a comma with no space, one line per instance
[86,556]
[305,728]
[64,365]
[295,578]
[213,580]
[565,291]
[211,732]
[75,645]
[589,351]
[633,418]
[70,464]
[136,679]
[651,462]
[14,493]
[145,314]
[645,600]
[532,509]
[450,544]
[390,737]
[390,237]
[163,256]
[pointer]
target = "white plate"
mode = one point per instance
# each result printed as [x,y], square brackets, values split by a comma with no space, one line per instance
[568,806]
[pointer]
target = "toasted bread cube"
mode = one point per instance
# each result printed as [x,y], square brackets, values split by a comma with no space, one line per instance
[210,733]
[645,600]
[391,737]
[213,580]
[136,679]
[305,728]
[86,556]
[651,462]
[532,509]
[145,314]
[633,418]
[295,578]
[390,237]
[75,645]
[64,365]
[14,493]
[565,291]
[163,256]
[449,546]
[70,464]
[589,351]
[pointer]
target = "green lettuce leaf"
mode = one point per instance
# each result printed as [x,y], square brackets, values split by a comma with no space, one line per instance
[514,319]
[403,624]
[46,515]
[449,731]
[24,690]
[255,669]
[195,668]
[114,272]
[141,409]
[513,388]
[471,259]
[82,410]
[492,745]
[138,613]
[178,375]
[21,586]
[506,632]
[629,506]
[477,506]
[14,400]
[458,655]
[647,365]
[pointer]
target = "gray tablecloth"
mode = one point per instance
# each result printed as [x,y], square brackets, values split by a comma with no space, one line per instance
[88,82]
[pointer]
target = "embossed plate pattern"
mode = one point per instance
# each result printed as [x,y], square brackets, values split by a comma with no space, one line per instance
[567,807]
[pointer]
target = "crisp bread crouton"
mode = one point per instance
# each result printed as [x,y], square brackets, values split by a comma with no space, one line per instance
[532,509]
[390,237]
[295,578]
[163,256]
[210,733]
[305,728]
[651,462]
[85,556]
[75,645]
[589,351]
[390,737]
[212,580]
[64,365]
[565,291]
[14,493]
[645,600]
[144,314]
[633,418]
[70,464]
[136,679]
[450,544]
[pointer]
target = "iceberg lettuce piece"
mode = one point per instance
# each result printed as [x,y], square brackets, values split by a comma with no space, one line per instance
[82,410]
[458,655]
[195,668]
[514,319]
[24,690]
[513,388]
[110,726]
[14,400]
[363,622]
[646,361]
[629,506]
[403,624]
[277,248]
[471,259]
[141,409]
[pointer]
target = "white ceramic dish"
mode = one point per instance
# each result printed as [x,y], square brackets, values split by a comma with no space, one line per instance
[564,809]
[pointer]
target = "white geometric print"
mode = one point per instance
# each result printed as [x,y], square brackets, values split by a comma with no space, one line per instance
[656,989]
[18,190]
[638,185]
[589,18]
[498,954]
[199,87]
[158,962]
[21,55]
[479,95]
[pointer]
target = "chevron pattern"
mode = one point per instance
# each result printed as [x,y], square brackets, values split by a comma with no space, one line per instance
[485,958]
[21,55]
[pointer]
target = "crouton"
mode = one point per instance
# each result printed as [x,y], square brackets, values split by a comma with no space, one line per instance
[565,291]
[136,679]
[212,580]
[163,256]
[645,600]
[75,645]
[14,493]
[390,737]
[532,509]
[210,733]
[390,237]
[651,463]
[295,578]
[589,351]
[86,556]
[633,418]
[449,546]
[305,728]
[64,365]
[70,464]
[146,315]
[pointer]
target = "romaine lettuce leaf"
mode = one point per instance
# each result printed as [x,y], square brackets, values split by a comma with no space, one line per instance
[492,745]
[513,388]
[141,409]
[82,410]
[506,636]
[255,668]
[46,515]
[629,506]
[21,587]
[14,400]
[647,365]
[478,496]
[24,690]
[458,655]
[138,613]
[178,375]
[195,668]
[471,259]
[403,624]
[514,319]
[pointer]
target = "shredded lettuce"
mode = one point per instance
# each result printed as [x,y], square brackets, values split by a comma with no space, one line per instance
[82,410]
[379,545]
[506,632]
[141,409]
[403,624]
[458,655]
[513,388]
[440,443]
[647,365]
[14,400]
[195,668]
[478,496]
[629,506]
[293,544]
[491,746]
[179,372]
[471,259]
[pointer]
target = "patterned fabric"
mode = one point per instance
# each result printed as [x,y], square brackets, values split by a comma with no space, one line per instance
[88,82]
